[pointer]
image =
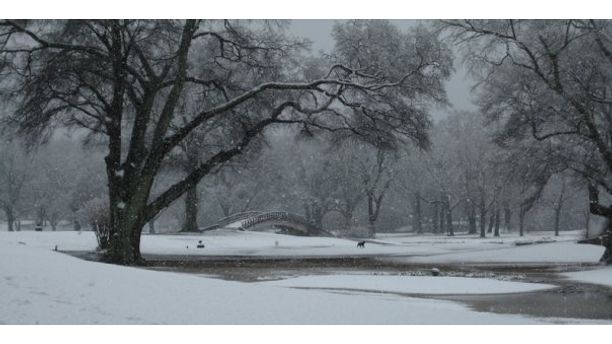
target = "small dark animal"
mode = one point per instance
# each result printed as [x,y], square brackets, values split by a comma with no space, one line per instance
[200,245]
[361,244]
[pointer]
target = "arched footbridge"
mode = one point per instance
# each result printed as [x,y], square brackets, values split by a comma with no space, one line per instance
[285,222]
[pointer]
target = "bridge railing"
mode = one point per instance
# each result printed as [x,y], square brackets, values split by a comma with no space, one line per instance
[237,217]
[282,215]
[231,219]
[252,218]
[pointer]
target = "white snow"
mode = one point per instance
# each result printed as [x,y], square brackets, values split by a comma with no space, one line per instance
[412,284]
[560,252]
[602,275]
[418,249]
[46,287]
[41,286]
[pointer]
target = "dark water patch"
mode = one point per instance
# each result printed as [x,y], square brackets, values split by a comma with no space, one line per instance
[581,301]
[570,300]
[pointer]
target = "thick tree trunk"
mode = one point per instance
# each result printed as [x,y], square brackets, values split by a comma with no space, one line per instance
[191,210]
[126,250]
[126,225]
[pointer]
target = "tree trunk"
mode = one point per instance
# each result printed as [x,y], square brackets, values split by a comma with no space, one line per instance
[442,215]
[417,217]
[10,218]
[191,210]
[471,213]
[497,220]
[491,222]
[449,220]
[307,213]
[557,218]
[348,220]
[435,221]
[522,213]
[314,214]
[587,224]
[371,217]
[483,217]
[607,255]
[507,217]
[124,248]
[559,207]
[596,208]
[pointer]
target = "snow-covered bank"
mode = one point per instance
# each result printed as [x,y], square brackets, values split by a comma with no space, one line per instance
[412,284]
[39,286]
[42,286]
[558,252]
[418,249]
[602,276]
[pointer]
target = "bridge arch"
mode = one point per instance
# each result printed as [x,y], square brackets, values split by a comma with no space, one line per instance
[286,222]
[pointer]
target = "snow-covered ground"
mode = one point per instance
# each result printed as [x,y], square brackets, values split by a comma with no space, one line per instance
[40,286]
[412,284]
[602,276]
[421,249]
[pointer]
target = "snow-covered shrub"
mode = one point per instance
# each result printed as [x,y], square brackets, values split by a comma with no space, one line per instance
[96,213]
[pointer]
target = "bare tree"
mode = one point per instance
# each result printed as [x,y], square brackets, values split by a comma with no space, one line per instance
[549,80]
[14,173]
[126,79]
[377,170]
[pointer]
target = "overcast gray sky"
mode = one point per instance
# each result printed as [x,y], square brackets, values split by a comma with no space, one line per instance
[458,87]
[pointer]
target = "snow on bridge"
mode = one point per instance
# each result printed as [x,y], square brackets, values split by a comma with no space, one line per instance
[254,220]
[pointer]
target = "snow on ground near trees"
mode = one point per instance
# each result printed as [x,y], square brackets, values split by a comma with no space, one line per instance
[42,286]
[601,276]
[412,285]
[39,286]
[421,249]
[558,252]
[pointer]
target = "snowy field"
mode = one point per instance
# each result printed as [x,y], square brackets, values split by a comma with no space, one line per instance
[40,286]
[429,248]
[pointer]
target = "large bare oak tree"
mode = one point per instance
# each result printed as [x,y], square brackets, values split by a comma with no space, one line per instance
[145,86]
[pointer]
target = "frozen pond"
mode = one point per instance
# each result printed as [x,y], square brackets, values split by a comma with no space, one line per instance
[569,299]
